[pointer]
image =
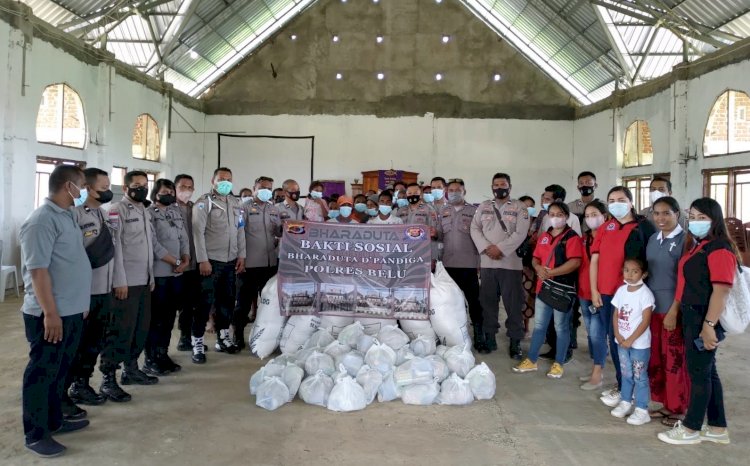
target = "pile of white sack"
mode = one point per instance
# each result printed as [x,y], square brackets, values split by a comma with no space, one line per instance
[343,364]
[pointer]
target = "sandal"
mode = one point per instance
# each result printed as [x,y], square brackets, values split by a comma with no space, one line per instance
[671,420]
[660,414]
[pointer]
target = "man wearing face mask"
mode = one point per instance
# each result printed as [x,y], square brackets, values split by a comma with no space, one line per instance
[262,232]
[553,193]
[661,187]
[345,210]
[499,227]
[278,195]
[420,213]
[384,214]
[399,195]
[438,186]
[289,208]
[191,279]
[219,235]
[586,186]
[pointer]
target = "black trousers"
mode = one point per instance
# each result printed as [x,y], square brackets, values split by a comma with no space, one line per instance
[189,300]
[250,286]
[509,285]
[126,336]
[45,375]
[95,327]
[217,290]
[164,302]
[468,281]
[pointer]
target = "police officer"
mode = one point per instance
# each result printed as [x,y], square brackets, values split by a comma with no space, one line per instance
[661,187]
[261,233]
[586,186]
[420,213]
[191,279]
[100,248]
[289,208]
[556,193]
[460,256]
[499,226]
[219,235]
[438,186]
[134,279]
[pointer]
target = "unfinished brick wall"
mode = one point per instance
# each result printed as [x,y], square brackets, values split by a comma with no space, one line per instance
[639,149]
[61,122]
[146,143]
[728,128]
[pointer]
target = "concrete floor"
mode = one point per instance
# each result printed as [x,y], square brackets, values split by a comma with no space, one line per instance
[205,415]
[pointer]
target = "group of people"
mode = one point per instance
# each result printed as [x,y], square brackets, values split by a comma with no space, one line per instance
[108,284]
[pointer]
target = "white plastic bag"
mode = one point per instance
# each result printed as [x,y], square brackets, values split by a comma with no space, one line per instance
[736,315]
[274,368]
[439,367]
[301,357]
[336,349]
[352,362]
[413,371]
[423,345]
[448,309]
[320,339]
[315,389]
[403,355]
[292,378]
[388,390]
[455,391]
[350,334]
[482,382]
[440,350]
[297,332]
[347,395]
[319,362]
[364,343]
[417,327]
[420,394]
[370,380]
[460,359]
[372,325]
[269,323]
[381,358]
[257,379]
[272,394]
[335,324]
[393,336]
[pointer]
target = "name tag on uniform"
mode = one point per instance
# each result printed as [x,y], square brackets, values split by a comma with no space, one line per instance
[132,220]
[88,225]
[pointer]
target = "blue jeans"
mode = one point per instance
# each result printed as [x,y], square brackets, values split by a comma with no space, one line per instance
[606,329]
[597,329]
[543,314]
[586,314]
[634,367]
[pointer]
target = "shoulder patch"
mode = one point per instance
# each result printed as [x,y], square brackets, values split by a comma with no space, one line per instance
[201,205]
[611,227]
[544,240]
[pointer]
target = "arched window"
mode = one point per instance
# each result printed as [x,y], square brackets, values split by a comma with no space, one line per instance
[638,149]
[728,128]
[61,119]
[146,142]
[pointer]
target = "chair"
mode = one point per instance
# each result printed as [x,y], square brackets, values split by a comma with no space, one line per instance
[5,272]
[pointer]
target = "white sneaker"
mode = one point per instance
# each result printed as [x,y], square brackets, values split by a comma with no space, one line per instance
[639,417]
[612,388]
[678,435]
[708,436]
[612,399]
[622,409]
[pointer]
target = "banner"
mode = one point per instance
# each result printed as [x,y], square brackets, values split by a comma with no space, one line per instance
[388,177]
[358,270]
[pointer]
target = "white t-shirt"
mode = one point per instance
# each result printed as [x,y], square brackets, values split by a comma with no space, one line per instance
[629,306]
[392,220]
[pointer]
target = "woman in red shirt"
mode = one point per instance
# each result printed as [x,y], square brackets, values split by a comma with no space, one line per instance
[705,274]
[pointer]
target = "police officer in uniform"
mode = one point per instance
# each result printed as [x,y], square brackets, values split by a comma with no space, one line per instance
[417,212]
[460,256]
[134,280]
[191,279]
[219,235]
[586,186]
[289,208]
[499,227]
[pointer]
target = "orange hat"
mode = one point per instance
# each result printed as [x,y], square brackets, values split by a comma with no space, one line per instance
[345,200]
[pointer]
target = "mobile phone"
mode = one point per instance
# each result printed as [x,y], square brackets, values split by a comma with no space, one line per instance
[593,309]
[698,342]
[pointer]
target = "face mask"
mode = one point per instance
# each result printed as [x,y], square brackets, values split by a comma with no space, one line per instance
[316,195]
[294,195]
[532,211]
[104,196]
[345,210]
[455,197]
[224,187]
[385,209]
[546,206]
[654,196]
[184,196]
[265,195]
[278,199]
[619,209]
[246,199]
[166,199]
[438,193]
[372,212]
[429,198]
[83,194]
[501,193]
[699,228]
[359,207]
[595,222]
[586,190]
[401,203]
[638,283]
[557,222]
[333,213]
[412,199]
[138,194]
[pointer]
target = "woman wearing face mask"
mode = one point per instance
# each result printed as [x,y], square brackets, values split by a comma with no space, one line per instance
[625,235]
[705,275]
[360,208]
[316,208]
[595,214]
[171,258]
[344,212]
[372,207]
[529,275]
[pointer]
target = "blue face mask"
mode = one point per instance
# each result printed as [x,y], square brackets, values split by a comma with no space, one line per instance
[316,195]
[532,211]
[438,193]
[359,207]
[428,198]
[345,210]
[82,196]
[401,203]
[385,209]
[224,187]
[264,195]
[333,213]
[546,206]
[699,228]
[619,209]
[372,212]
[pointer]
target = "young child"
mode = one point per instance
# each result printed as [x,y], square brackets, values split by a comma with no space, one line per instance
[633,303]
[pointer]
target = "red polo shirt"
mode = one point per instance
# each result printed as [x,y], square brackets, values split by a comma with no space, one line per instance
[584,279]
[708,263]
[610,245]
[547,243]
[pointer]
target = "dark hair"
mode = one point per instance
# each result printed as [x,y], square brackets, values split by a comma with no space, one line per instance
[245,189]
[222,169]
[625,190]
[273,193]
[92,174]
[598,205]
[183,176]
[261,179]
[334,197]
[558,192]
[161,183]
[527,198]
[642,263]
[358,196]
[712,210]
[439,178]
[503,176]
[399,182]
[315,184]
[671,202]
[586,173]
[61,175]
[130,175]
[562,206]
[413,184]
[664,180]
[386,193]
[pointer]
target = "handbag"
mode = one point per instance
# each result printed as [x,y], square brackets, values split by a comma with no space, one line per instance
[555,294]
[524,250]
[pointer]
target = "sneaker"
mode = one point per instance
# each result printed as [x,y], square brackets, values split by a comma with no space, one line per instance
[622,409]
[525,366]
[184,343]
[556,371]
[612,399]
[224,343]
[708,436]
[612,388]
[199,350]
[46,448]
[71,426]
[678,435]
[639,417]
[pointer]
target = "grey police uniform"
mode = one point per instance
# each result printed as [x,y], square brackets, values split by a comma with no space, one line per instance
[423,215]
[292,211]
[171,238]
[92,222]
[191,279]
[501,277]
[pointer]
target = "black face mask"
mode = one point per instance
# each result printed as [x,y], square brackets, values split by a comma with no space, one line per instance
[167,199]
[278,199]
[413,199]
[104,196]
[586,190]
[501,193]
[138,194]
[294,195]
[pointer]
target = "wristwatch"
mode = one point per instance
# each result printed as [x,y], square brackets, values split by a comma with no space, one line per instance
[710,323]
[177,262]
